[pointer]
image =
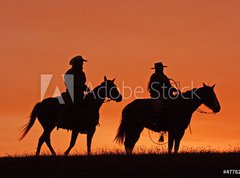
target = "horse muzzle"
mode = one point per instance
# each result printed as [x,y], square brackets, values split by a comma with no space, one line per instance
[217,109]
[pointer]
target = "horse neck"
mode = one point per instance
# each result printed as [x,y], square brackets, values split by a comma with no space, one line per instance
[98,97]
[193,101]
[188,106]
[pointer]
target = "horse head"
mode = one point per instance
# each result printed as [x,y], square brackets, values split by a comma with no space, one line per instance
[110,90]
[209,98]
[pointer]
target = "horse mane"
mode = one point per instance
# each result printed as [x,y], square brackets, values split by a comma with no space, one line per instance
[189,93]
[92,94]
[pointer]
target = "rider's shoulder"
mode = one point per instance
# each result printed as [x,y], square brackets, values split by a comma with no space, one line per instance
[157,75]
[70,71]
[154,75]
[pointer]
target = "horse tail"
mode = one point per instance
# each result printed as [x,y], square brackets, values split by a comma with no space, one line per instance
[32,119]
[122,129]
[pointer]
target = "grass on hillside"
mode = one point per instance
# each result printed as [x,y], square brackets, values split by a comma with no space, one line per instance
[113,163]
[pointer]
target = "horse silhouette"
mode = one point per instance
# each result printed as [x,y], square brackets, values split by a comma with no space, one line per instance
[138,114]
[83,120]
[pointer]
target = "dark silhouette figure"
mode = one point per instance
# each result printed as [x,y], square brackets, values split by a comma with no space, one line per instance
[161,90]
[138,114]
[159,85]
[76,77]
[75,80]
[83,120]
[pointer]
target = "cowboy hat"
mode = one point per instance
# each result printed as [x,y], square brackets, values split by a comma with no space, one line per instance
[77,59]
[158,65]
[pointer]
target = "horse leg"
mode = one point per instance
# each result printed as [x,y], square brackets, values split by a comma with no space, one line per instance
[178,138]
[89,140]
[45,137]
[132,136]
[72,142]
[170,141]
[40,142]
[48,141]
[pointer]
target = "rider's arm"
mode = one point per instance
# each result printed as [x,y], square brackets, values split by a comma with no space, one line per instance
[169,85]
[153,81]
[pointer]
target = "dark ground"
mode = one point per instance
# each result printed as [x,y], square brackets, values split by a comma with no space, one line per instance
[146,165]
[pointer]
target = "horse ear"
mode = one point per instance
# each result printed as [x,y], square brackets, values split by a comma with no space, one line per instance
[204,85]
[113,79]
[105,78]
[213,86]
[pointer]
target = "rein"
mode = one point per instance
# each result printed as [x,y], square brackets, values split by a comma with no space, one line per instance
[204,112]
[198,110]
[107,100]
[177,84]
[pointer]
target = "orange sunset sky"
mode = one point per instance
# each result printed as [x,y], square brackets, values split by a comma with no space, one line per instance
[198,40]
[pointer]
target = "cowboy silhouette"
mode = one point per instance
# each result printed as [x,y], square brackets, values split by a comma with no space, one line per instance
[74,80]
[159,85]
[77,78]
[161,91]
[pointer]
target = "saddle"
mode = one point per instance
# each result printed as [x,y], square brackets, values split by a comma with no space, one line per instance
[75,116]
[162,106]
[163,113]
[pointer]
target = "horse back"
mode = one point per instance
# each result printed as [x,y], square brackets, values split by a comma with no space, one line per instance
[50,107]
[139,106]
